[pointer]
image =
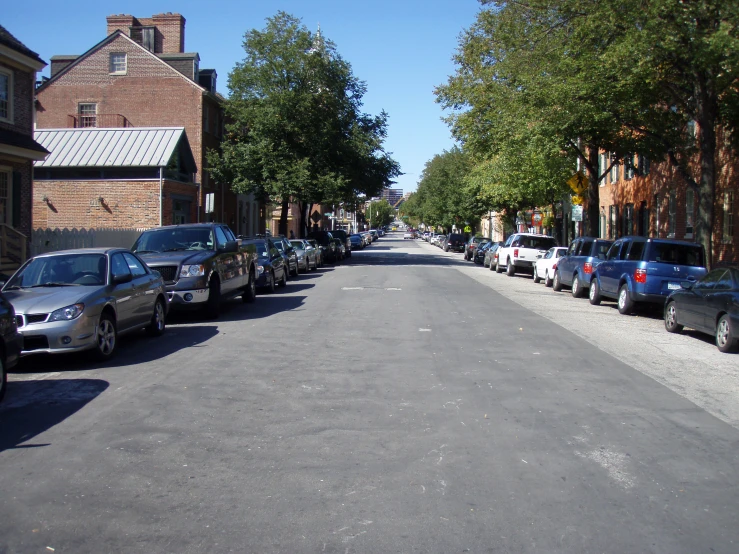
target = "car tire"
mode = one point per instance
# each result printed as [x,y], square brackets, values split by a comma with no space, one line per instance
[283,281]
[446,249]
[106,338]
[671,324]
[157,325]
[3,379]
[547,279]
[537,279]
[297,270]
[577,288]
[250,293]
[594,293]
[271,283]
[498,269]
[625,304]
[213,304]
[556,284]
[510,269]
[725,339]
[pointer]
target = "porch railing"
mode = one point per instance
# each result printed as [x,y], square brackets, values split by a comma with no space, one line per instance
[107,120]
[13,243]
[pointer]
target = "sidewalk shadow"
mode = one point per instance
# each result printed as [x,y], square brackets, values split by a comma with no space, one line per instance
[32,407]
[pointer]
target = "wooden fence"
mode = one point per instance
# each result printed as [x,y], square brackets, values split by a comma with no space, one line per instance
[50,240]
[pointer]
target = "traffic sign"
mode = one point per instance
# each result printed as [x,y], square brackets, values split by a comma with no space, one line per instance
[468,229]
[578,183]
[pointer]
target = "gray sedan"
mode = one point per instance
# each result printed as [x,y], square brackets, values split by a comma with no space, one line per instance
[307,258]
[76,300]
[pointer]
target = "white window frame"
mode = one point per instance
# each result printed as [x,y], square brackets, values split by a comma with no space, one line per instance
[727,227]
[9,75]
[112,66]
[87,117]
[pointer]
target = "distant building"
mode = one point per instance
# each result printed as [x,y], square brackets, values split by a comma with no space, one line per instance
[391,195]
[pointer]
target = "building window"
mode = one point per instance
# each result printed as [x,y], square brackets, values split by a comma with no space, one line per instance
[728,228]
[88,114]
[614,169]
[118,63]
[643,168]
[629,167]
[6,96]
[671,214]
[629,219]
[689,212]
[613,222]
[603,231]
[657,222]
[206,118]
[148,38]
[602,167]
[643,220]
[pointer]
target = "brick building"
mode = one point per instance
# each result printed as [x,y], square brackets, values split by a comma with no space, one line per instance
[18,150]
[140,75]
[128,178]
[652,199]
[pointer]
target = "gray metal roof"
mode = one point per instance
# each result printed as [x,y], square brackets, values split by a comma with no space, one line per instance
[123,147]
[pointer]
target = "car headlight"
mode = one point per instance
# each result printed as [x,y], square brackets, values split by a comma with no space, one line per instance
[260,270]
[67,313]
[192,271]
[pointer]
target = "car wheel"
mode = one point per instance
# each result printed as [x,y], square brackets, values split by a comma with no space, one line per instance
[556,284]
[625,304]
[446,249]
[271,284]
[671,323]
[498,269]
[594,293]
[156,327]
[297,270]
[250,294]
[725,339]
[577,288]
[283,281]
[3,379]
[213,305]
[547,279]
[510,269]
[536,275]
[106,337]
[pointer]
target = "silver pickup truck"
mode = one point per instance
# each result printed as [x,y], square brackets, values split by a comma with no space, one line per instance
[201,264]
[520,251]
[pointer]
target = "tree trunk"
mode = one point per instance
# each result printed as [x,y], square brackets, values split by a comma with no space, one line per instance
[592,222]
[282,229]
[706,117]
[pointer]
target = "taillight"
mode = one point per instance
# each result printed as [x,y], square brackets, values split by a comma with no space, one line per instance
[640,275]
[554,266]
[588,267]
[515,253]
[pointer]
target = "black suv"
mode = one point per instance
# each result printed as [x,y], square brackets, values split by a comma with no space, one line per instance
[288,252]
[455,242]
[344,237]
[327,244]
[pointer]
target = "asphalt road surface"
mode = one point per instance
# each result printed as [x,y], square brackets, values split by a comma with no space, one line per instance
[390,404]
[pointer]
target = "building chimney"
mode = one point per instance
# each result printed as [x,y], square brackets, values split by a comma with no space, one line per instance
[120,22]
[171,26]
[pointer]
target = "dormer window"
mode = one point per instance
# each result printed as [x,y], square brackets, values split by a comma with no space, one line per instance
[118,63]
[6,95]
[148,38]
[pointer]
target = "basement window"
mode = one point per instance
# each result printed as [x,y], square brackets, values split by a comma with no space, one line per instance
[118,63]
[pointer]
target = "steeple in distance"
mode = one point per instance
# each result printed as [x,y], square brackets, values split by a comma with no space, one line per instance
[318,44]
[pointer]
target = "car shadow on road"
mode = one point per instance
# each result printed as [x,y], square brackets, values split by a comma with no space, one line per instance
[32,407]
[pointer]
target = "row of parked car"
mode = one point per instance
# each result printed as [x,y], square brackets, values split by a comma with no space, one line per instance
[84,299]
[632,270]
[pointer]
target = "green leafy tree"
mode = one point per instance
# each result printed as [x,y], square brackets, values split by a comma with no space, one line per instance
[379,213]
[297,132]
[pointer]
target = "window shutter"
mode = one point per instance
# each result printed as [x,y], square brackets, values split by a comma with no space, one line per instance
[16,212]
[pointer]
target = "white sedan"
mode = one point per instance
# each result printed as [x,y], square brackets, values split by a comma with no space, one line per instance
[546,266]
[407,235]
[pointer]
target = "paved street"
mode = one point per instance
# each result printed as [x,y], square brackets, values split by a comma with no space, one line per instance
[405,401]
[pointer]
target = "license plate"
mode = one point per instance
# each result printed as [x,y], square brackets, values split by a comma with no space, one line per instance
[673,286]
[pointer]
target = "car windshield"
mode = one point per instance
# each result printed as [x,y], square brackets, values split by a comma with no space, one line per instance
[62,270]
[677,254]
[177,238]
[298,244]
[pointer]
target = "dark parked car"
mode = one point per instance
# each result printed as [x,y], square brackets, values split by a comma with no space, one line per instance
[319,252]
[10,340]
[482,247]
[470,247]
[289,253]
[710,305]
[201,264]
[638,269]
[356,241]
[271,265]
[576,267]
[325,241]
[454,242]
[77,300]
[344,237]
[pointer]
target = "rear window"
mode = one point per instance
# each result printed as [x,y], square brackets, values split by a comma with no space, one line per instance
[539,243]
[455,236]
[677,254]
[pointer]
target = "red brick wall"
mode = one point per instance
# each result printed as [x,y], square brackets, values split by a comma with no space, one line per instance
[182,190]
[170,37]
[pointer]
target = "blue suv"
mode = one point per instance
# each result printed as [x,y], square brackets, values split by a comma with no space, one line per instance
[575,268]
[639,269]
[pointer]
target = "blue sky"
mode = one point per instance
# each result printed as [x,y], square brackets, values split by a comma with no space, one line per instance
[402,49]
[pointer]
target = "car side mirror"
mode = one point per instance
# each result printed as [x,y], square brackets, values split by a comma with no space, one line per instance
[124,278]
[230,246]
[687,285]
